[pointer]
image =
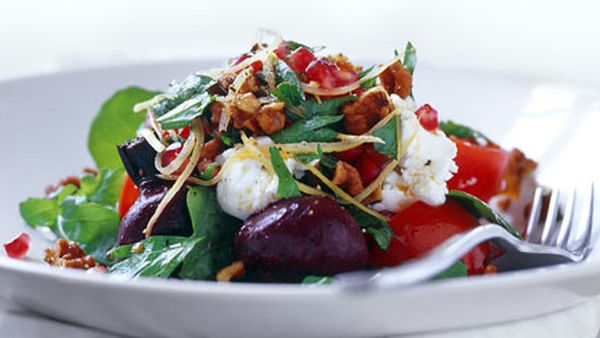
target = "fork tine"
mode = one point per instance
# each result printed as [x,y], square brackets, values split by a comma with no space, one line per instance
[551,215]
[565,225]
[534,217]
[582,243]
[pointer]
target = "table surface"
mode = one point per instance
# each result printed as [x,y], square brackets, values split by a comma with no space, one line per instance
[539,38]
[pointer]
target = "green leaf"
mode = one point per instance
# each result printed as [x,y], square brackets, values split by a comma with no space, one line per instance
[104,188]
[410,58]
[378,228]
[183,114]
[208,172]
[365,72]
[370,83]
[287,185]
[304,130]
[180,92]
[215,228]
[289,89]
[39,212]
[114,124]
[307,158]
[389,134]
[326,107]
[481,210]
[160,257]
[458,269]
[318,280]
[452,128]
[93,226]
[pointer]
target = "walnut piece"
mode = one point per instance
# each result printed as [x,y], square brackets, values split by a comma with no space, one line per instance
[396,80]
[364,113]
[348,178]
[234,270]
[519,166]
[271,117]
[67,254]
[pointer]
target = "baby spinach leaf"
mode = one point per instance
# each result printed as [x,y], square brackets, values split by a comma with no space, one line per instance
[104,188]
[114,124]
[304,130]
[160,256]
[410,58]
[180,92]
[183,114]
[93,226]
[39,212]
[318,280]
[480,209]
[388,133]
[287,186]
[452,128]
[288,90]
[86,215]
[458,269]
[215,228]
[378,228]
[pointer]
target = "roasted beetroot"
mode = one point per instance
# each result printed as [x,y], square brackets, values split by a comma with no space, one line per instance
[175,220]
[138,159]
[301,236]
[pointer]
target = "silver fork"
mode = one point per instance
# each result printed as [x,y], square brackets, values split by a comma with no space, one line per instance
[558,243]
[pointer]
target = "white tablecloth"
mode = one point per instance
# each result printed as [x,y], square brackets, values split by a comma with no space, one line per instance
[579,322]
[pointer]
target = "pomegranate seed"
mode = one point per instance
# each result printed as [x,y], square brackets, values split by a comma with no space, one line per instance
[282,51]
[428,117]
[184,132]
[18,246]
[351,155]
[370,165]
[323,71]
[257,65]
[170,154]
[328,74]
[300,59]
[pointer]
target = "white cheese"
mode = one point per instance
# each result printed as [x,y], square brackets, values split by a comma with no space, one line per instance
[425,167]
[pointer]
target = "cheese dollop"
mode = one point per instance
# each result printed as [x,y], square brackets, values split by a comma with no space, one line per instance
[424,168]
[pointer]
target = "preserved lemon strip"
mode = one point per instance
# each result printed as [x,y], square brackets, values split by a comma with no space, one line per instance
[348,142]
[153,141]
[187,148]
[377,182]
[199,144]
[344,195]
[307,189]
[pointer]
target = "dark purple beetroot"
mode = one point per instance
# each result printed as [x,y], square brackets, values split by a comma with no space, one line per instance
[301,236]
[138,159]
[175,220]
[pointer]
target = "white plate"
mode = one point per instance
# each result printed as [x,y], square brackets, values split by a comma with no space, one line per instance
[43,129]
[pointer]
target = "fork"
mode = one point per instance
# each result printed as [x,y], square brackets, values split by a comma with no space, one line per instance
[557,243]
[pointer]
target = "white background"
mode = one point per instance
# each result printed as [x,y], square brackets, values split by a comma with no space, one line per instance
[549,39]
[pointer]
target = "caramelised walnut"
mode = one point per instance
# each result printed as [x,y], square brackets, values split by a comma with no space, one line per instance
[271,117]
[519,166]
[364,113]
[67,254]
[233,271]
[396,80]
[348,178]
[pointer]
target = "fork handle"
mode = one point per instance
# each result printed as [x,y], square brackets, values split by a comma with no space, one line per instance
[432,264]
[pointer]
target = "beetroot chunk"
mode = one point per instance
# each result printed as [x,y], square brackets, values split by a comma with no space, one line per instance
[301,236]
[175,219]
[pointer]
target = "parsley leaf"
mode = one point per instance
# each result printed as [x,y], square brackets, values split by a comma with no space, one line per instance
[309,130]
[389,134]
[378,228]
[461,131]
[180,92]
[410,58]
[326,107]
[318,280]
[287,186]
[480,209]
[183,114]
[215,228]
[160,256]
[458,269]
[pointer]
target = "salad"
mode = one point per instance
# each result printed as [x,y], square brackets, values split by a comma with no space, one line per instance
[287,164]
